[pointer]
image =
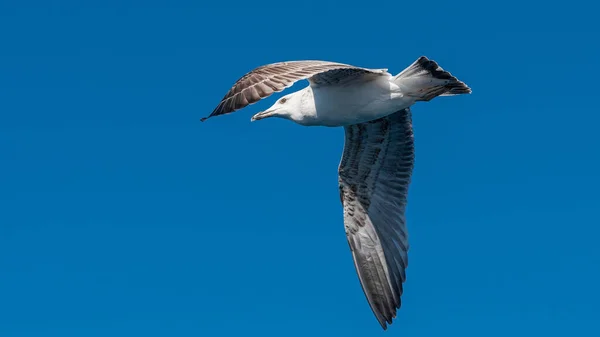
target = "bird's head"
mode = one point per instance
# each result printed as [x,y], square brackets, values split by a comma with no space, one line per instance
[288,107]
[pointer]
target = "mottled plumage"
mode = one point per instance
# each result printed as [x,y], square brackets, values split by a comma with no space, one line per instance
[377,162]
[374,175]
[263,81]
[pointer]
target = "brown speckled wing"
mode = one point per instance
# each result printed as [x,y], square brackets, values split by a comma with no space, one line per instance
[374,175]
[266,80]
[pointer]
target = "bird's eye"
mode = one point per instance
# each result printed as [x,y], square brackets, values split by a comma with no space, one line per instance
[283,100]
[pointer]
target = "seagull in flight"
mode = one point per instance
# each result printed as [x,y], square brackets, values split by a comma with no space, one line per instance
[375,171]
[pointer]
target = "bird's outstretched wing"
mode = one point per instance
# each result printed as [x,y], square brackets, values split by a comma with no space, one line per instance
[374,175]
[265,80]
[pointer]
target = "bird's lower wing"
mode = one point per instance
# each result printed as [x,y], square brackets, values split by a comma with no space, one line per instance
[374,176]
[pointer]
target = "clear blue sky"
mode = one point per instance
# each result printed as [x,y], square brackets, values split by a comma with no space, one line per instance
[122,215]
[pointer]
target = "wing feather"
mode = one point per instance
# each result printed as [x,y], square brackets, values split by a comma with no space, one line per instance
[263,81]
[374,176]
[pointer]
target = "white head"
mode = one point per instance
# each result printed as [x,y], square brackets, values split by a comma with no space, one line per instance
[294,107]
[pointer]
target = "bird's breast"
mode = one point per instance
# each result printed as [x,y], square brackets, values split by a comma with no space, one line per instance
[359,103]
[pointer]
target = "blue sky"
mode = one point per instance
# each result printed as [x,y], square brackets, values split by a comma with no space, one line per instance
[121,214]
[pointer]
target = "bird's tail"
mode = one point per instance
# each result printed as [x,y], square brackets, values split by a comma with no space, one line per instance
[425,80]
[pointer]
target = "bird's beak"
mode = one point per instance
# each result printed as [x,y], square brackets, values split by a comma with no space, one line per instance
[263,114]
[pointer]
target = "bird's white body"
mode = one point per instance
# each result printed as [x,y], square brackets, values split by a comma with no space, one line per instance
[351,103]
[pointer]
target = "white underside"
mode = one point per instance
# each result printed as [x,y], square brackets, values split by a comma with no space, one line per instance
[356,102]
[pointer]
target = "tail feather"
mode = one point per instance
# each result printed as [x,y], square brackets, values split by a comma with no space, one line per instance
[425,80]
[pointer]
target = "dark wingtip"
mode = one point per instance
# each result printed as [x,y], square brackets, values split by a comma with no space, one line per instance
[384,325]
[203,119]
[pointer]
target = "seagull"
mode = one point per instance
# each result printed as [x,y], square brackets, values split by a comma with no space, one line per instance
[374,107]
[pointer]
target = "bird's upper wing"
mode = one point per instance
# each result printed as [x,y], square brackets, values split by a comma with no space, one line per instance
[374,175]
[265,80]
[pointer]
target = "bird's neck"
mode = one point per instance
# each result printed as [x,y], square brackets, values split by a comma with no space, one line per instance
[307,103]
